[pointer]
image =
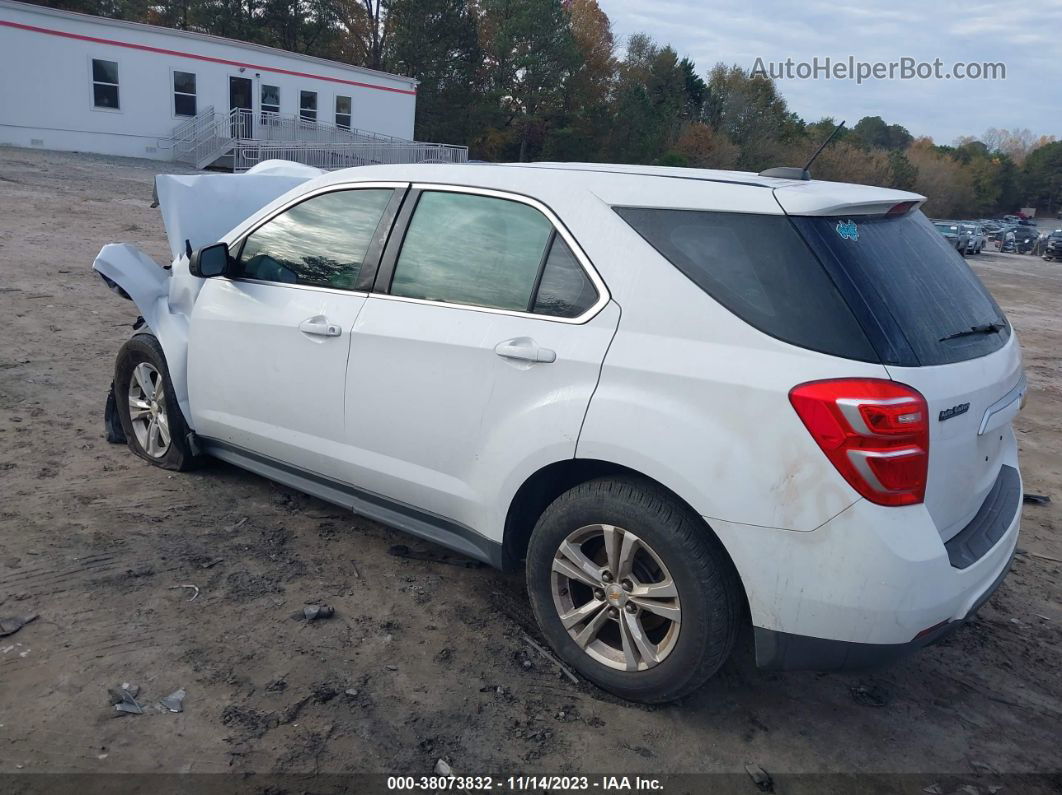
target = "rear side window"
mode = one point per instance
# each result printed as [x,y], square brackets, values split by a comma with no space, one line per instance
[759,268]
[911,290]
[474,250]
[321,241]
[564,290]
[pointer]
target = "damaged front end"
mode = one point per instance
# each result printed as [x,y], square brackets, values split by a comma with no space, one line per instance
[197,210]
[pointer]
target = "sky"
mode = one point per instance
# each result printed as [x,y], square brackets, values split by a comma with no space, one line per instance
[1026,36]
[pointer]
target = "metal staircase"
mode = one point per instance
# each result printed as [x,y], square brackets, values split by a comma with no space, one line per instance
[241,138]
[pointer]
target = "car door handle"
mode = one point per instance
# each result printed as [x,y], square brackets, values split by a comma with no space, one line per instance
[525,349]
[320,327]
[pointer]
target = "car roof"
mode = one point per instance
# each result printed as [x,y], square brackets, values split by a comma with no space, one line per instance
[647,186]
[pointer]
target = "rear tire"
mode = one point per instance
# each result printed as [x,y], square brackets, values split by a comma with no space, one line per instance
[147,406]
[663,623]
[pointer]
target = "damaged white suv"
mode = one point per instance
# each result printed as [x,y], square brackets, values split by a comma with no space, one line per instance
[683,400]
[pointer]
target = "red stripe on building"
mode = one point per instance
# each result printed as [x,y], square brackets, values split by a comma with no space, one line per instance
[194,57]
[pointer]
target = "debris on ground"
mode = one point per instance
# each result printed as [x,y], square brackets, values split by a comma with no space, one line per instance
[174,702]
[760,777]
[442,768]
[1036,499]
[12,624]
[189,586]
[402,551]
[870,695]
[352,692]
[314,612]
[211,563]
[563,668]
[123,698]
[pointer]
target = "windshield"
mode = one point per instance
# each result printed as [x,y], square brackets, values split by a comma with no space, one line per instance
[908,287]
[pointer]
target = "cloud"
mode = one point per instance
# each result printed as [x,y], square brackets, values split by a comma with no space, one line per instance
[1022,36]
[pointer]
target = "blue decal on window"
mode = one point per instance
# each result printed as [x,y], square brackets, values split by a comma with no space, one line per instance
[848,230]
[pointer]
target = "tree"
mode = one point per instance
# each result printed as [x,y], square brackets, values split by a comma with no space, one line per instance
[1042,177]
[528,56]
[942,179]
[872,131]
[749,110]
[436,42]
[699,146]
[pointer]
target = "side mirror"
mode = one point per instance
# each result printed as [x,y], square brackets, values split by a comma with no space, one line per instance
[209,261]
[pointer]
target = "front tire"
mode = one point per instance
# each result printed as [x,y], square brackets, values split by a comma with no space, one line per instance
[632,589]
[147,406]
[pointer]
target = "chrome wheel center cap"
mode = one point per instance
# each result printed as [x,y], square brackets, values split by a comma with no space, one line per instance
[615,595]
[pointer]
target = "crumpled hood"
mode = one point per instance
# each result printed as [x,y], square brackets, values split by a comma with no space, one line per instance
[201,208]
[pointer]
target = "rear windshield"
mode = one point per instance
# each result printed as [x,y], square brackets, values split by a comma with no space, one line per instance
[757,267]
[875,289]
[910,289]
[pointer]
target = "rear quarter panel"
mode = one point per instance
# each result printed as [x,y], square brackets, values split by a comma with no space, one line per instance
[697,399]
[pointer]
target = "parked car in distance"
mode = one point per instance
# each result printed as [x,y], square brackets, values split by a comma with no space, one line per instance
[975,240]
[1053,246]
[801,418]
[954,234]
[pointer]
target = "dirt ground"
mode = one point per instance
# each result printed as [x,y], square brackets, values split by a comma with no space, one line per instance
[423,660]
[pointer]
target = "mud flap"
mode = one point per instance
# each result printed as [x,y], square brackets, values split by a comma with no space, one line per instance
[111,423]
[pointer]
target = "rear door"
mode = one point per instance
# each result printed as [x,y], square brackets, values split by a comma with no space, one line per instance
[473,364]
[937,329]
[268,348]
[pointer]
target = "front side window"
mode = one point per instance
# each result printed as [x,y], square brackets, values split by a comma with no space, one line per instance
[105,84]
[474,250]
[320,242]
[308,105]
[270,102]
[343,112]
[184,93]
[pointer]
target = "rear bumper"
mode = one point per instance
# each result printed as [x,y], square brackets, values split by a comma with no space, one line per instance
[870,585]
[782,651]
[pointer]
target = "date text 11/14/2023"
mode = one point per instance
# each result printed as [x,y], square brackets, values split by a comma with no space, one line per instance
[603,783]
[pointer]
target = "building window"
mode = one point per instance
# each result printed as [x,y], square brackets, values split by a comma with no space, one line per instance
[183,93]
[105,84]
[343,112]
[308,105]
[270,103]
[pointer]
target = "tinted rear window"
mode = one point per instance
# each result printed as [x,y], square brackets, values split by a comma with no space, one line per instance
[908,286]
[759,268]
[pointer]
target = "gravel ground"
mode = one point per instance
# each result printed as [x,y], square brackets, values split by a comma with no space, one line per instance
[423,660]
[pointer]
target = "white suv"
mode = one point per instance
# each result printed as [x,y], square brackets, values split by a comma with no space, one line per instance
[684,400]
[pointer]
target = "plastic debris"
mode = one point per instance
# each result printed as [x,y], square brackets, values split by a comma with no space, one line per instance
[760,777]
[188,586]
[124,699]
[174,702]
[12,624]
[1036,499]
[563,668]
[314,612]
[442,768]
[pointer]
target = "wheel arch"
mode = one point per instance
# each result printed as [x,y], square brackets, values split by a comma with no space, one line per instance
[552,480]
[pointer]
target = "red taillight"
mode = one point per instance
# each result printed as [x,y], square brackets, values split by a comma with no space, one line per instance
[875,432]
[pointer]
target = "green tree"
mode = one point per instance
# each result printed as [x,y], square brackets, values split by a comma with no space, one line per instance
[436,42]
[1042,178]
[750,112]
[529,55]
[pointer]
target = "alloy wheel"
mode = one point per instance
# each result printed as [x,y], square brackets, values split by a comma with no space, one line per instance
[615,597]
[147,410]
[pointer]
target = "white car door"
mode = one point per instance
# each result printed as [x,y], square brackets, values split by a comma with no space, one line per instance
[473,363]
[268,346]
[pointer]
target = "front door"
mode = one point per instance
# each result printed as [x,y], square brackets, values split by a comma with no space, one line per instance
[477,368]
[267,351]
[241,104]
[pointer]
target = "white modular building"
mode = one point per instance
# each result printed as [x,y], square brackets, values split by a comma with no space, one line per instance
[76,82]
